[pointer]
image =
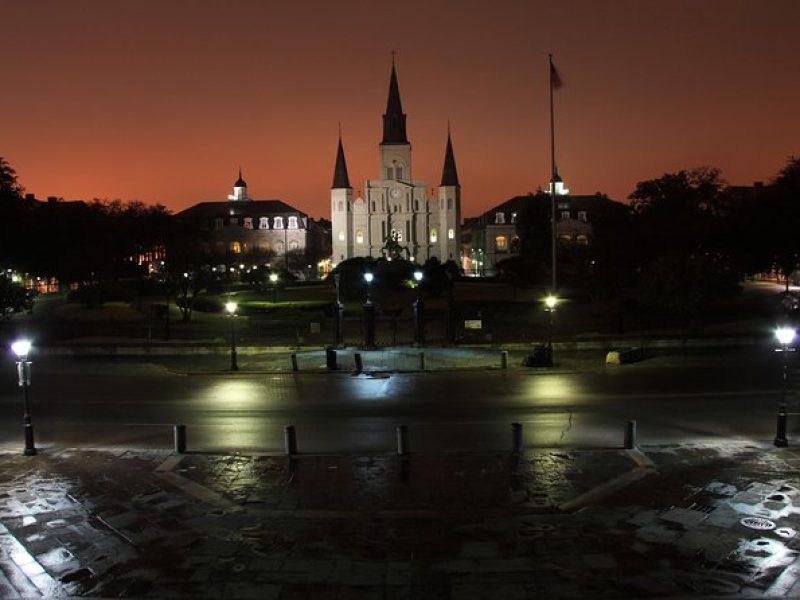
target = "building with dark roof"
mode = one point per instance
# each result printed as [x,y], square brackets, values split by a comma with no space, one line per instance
[244,228]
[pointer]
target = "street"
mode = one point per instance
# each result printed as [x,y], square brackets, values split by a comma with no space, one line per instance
[131,403]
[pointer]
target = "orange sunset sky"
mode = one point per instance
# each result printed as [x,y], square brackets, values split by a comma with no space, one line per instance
[162,100]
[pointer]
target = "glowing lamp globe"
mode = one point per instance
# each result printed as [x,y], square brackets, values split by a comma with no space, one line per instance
[21,348]
[368,277]
[551,302]
[418,276]
[785,335]
[230,307]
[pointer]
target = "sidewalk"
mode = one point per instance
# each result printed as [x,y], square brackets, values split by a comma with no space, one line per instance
[660,522]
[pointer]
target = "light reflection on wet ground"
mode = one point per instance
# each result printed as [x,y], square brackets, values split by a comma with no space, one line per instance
[447,525]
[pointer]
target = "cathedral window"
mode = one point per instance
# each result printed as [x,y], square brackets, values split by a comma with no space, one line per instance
[500,243]
[398,172]
[408,230]
[341,235]
[359,237]
[389,173]
[292,222]
[434,236]
[218,223]
[263,223]
[248,222]
[451,234]
[449,203]
[341,206]
[373,206]
[383,230]
[416,205]
[499,218]
[277,223]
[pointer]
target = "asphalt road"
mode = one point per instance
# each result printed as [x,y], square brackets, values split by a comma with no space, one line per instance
[99,403]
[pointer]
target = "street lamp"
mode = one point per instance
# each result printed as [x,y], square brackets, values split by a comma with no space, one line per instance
[550,306]
[230,307]
[419,311]
[785,336]
[21,348]
[273,279]
[369,314]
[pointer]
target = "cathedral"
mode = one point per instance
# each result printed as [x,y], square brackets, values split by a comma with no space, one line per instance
[396,217]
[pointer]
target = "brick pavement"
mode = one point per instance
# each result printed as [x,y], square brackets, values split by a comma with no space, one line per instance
[554,523]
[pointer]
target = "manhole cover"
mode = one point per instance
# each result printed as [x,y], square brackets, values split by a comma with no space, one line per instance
[758,523]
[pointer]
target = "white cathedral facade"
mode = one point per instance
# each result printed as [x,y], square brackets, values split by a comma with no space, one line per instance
[396,207]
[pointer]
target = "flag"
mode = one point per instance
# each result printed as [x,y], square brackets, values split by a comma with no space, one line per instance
[555,79]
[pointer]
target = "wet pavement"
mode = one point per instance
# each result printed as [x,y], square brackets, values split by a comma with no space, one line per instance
[677,521]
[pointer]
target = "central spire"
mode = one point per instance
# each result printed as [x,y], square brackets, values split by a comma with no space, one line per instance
[340,178]
[394,121]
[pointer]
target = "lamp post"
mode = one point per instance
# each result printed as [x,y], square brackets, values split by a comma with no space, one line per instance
[338,315]
[273,279]
[419,311]
[550,306]
[785,336]
[369,314]
[21,348]
[230,307]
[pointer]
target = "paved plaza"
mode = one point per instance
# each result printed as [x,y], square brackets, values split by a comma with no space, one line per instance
[678,521]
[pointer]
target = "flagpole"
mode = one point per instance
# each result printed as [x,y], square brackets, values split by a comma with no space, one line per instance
[552,181]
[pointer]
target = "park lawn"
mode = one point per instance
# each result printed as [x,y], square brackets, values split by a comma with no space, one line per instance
[110,311]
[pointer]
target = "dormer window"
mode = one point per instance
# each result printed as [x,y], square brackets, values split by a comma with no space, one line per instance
[263,223]
[233,221]
[218,223]
[513,217]
[582,215]
[248,222]
[277,223]
[499,218]
[565,214]
[292,222]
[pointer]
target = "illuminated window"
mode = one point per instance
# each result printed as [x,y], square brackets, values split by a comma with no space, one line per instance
[499,218]
[235,248]
[263,223]
[277,223]
[248,223]
[500,242]
[582,240]
[293,245]
[279,248]
[292,222]
[341,235]
[359,237]
[434,236]
[451,234]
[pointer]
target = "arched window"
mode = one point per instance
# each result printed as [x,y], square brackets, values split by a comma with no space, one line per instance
[341,235]
[341,206]
[398,172]
[292,222]
[263,223]
[359,237]
[235,248]
[248,222]
[500,243]
[277,223]
[451,234]
[434,236]
[582,240]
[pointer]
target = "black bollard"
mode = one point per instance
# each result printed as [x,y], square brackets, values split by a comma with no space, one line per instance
[402,440]
[359,363]
[516,438]
[179,435]
[330,359]
[289,440]
[504,359]
[369,324]
[294,362]
[629,442]
[780,436]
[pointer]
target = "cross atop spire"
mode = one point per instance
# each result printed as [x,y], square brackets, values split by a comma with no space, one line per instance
[394,121]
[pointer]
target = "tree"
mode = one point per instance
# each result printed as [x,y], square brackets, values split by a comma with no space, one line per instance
[10,189]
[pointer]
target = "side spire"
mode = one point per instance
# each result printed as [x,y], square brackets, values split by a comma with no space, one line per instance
[449,171]
[240,182]
[394,121]
[340,177]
